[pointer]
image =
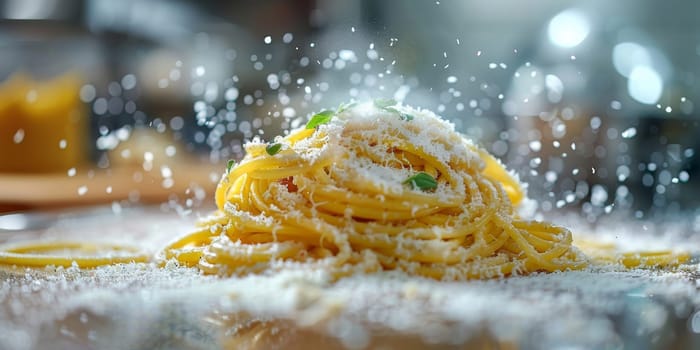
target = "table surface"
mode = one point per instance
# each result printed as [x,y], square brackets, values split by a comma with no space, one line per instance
[144,306]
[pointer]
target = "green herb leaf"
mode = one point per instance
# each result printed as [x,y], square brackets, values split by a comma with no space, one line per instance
[345,106]
[422,181]
[273,149]
[392,110]
[322,117]
[384,103]
[230,165]
[403,116]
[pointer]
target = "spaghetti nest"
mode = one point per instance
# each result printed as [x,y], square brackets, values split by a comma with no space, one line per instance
[368,188]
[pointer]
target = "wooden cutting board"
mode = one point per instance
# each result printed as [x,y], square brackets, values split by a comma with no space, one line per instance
[92,186]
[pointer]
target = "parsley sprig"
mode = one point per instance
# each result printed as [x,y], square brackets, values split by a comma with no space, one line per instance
[383,103]
[422,181]
[403,116]
[388,105]
[345,106]
[273,148]
[325,116]
[230,165]
[320,118]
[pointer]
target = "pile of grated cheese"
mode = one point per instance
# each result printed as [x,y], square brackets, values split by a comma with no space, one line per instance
[421,131]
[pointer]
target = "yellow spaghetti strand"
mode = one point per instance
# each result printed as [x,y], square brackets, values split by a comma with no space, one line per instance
[39,254]
[607,253]
[495,170]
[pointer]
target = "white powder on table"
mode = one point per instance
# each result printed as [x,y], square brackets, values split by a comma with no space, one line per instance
[138,306]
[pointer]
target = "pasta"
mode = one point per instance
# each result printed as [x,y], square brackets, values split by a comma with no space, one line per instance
[607,253]
[362,189]
[85,255]
[374,188]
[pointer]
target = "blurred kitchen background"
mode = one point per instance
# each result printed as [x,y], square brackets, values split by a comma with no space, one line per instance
[122,102]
